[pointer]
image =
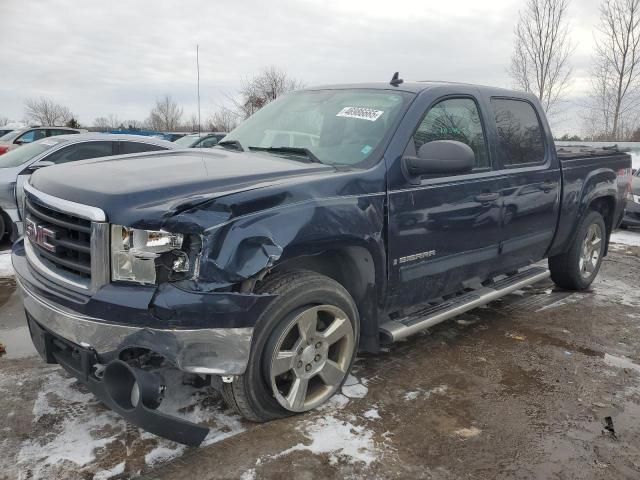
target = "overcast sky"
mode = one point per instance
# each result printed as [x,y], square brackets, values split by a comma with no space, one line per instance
[110,57]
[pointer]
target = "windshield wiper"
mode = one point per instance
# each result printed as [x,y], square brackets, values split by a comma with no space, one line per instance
[293,150]
[232,143]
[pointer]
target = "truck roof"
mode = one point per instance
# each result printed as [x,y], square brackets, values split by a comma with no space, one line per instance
[419,86]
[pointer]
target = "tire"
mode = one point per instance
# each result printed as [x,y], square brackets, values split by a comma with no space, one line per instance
[259,396]
[3,229]
[570,270]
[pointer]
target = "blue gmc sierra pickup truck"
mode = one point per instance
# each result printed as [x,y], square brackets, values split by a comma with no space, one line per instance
[332,221]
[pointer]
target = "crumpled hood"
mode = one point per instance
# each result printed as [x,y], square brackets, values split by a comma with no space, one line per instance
[147,187]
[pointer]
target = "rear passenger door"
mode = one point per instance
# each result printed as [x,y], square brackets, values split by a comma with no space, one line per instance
[531,189]
[444,230]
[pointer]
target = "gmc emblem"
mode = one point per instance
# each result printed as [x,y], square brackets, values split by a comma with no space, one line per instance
[39,235]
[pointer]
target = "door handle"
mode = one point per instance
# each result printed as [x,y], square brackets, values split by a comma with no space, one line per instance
[546,187]
[486,198]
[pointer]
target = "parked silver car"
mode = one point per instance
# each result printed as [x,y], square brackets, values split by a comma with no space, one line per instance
[200,140]
[22,136]
[17,165]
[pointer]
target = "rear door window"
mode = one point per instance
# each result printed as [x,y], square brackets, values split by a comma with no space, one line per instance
[31,136]
[55,131]
[520,135]
[138,147]
[208,142]
[81,151]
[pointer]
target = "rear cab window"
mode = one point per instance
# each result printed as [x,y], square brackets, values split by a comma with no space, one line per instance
[520,135]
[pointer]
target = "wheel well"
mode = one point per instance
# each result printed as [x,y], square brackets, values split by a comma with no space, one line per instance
[606,207]
[354,269]
[8,224]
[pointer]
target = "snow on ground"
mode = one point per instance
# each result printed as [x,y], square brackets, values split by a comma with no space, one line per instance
[6,269]
[439,390]
[339,439]
[626,238]
[79,432]
[613,290]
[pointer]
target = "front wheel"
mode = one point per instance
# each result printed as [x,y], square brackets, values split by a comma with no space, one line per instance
[577,268]
[303,348]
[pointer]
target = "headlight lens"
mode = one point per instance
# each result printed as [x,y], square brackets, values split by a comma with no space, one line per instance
[134,253]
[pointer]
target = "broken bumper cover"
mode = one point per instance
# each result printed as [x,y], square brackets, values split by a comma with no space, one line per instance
[80,362]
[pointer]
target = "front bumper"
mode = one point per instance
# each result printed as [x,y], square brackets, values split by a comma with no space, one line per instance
[218,351]
[201,333]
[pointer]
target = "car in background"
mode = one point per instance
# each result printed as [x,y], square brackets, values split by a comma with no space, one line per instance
[17,165]
[22,136]
[632,212]
[5,130]
[200,140]
[173,136]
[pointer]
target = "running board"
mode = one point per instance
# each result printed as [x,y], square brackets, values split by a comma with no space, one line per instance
[395,330]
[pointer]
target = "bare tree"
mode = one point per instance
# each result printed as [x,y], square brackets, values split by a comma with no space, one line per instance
[3,120]
[133,124]
[102,124]
[192,124]
[166,115]
[616,73]
[224,120]
[264,88]
[46,112]
[540,61]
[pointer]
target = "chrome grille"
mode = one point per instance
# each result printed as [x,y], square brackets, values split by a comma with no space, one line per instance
[66,241]
[68,246]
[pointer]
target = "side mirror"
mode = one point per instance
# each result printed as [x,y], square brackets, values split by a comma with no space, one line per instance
[40,164]
[441,157]
[18,141]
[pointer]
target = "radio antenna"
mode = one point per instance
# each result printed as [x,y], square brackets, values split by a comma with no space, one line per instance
[198,68]
[396,80]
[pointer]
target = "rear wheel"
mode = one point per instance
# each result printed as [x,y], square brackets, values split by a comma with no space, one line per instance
[577,268]
[303,348]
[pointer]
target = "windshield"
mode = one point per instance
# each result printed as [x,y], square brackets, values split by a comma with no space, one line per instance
[335,126]
[23,154]
[187,140]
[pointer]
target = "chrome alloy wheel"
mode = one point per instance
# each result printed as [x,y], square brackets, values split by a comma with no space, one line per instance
[311,358]
[591,250]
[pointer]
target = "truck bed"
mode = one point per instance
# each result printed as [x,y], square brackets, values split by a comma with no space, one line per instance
[588,172]
[570,152]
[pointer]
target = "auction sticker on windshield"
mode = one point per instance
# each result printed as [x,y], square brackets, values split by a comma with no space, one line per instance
[360,112]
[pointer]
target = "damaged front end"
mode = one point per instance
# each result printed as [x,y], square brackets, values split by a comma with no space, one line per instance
[134,392]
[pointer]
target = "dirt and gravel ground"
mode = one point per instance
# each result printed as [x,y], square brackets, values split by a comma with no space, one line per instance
[543,384]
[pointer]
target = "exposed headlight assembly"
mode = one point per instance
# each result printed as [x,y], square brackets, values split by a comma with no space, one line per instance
[136,254]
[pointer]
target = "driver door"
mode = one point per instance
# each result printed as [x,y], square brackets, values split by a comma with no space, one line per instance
[444,231]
